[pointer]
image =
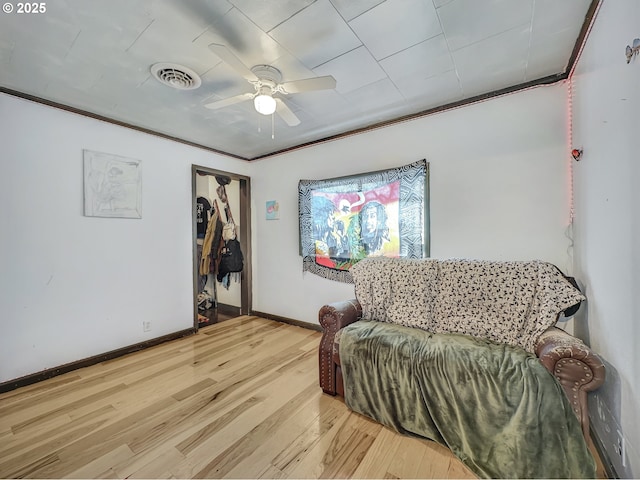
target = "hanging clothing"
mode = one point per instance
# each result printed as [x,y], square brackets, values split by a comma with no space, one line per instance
[216,246]
[208,248]
[231,259]
[203,215]
[202,279]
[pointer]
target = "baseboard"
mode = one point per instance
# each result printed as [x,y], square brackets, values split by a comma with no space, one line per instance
[87,362]
[290,321]
[228,309]
[609,469]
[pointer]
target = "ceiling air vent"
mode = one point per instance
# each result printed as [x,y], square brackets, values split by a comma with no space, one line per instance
[176,76]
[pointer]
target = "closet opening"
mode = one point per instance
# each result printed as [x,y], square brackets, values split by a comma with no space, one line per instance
[221,245]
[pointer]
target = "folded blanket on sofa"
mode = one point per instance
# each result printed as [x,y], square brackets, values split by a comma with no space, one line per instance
[508,302]
[494,405]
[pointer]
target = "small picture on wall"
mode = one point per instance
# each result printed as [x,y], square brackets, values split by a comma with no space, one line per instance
[273,210]
[112,186]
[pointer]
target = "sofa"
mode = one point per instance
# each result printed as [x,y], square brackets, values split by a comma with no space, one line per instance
[467,353]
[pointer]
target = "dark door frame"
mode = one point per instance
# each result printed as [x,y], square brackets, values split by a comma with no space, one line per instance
[244,237]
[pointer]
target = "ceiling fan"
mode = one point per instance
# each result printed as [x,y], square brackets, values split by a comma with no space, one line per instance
[267,82]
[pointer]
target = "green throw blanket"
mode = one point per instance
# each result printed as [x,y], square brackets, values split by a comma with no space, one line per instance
[495,406]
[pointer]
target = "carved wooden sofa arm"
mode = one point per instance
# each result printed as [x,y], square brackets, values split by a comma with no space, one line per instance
[333,317]
[575,366]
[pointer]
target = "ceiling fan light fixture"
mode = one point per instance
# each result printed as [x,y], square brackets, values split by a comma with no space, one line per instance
[264,104]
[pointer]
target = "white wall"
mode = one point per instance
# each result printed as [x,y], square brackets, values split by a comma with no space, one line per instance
[72,286]
[607,227]
[499,179]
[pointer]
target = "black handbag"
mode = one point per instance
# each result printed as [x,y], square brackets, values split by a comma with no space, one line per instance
[231,259]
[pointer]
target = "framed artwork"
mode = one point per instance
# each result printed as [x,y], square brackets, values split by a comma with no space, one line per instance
[343,220]
[112,186]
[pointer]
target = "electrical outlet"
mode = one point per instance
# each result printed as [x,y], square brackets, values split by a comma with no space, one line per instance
[146,326]
[618,445]
[620,448]
[610,435]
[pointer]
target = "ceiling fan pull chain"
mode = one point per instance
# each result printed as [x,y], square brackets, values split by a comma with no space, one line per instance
[273,128]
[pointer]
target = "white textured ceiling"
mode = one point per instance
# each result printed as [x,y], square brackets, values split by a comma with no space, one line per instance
[390,59]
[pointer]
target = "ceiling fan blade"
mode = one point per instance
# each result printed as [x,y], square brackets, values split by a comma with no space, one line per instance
[309,84]
[285,113]
[228,57]
[229,101]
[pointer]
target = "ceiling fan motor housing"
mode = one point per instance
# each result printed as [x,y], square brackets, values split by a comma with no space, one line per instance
[267,73]
[268,81]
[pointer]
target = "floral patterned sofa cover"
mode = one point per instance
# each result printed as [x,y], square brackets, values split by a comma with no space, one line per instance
[512,304]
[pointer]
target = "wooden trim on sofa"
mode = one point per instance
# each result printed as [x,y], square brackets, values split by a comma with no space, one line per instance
[103,357]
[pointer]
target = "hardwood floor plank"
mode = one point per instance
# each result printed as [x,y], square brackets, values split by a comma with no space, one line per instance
[103,440]
[51,440]
[279,353]
[144,392]
[379,456]
[28,468]
[37,421]
[194,389]
[211,429]
[326,447]
[34,390]
[406,461]
[287,426]
[154,465]
[329,411]
[29,405]
[102,464]
[271,472]
[190,412]
[270,397]
[346,460]
[262,433]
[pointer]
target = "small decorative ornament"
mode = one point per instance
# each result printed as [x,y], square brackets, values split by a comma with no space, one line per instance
[576,153]
[632,50]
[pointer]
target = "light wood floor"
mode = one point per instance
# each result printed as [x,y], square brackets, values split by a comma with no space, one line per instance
[238,400]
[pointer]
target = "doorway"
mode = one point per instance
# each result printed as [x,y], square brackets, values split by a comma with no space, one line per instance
[221,245]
